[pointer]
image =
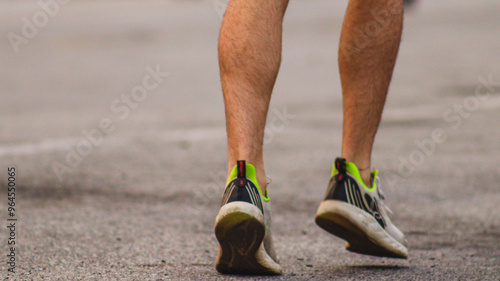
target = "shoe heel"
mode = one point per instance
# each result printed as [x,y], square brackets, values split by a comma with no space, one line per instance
[240,230]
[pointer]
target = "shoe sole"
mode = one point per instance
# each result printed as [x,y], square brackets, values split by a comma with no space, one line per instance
[240,230]
[360,229]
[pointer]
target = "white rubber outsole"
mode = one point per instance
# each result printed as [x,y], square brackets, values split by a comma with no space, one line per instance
[240,230]
[359,228]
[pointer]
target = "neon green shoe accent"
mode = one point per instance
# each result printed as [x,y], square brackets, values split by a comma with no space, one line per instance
[251,174]
[353,170]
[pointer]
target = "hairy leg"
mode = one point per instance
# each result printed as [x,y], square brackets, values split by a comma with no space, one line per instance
[249,59]
[369,44]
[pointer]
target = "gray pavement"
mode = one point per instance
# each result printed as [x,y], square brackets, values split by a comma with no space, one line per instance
[112,186]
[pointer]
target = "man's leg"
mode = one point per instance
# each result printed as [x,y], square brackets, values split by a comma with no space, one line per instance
[369,45]
[249,58]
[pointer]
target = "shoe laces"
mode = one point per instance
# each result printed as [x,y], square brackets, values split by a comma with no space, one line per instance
[381,195]
[268,179]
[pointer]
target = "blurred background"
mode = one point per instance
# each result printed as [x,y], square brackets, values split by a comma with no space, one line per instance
[112,114]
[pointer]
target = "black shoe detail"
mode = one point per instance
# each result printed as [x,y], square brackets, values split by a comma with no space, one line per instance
[375,210]
[340,164]
[336,187]
[344,187]
[242,189]
[242,172]
[336,191]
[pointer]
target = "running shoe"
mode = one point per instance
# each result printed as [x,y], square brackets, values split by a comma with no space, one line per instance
[356,213]
[242,226]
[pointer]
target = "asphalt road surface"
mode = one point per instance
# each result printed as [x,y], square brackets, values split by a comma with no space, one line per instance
[111,114]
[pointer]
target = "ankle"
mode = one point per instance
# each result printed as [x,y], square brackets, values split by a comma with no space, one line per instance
[260,174]
[364,168]
[262,184]
[366,177]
